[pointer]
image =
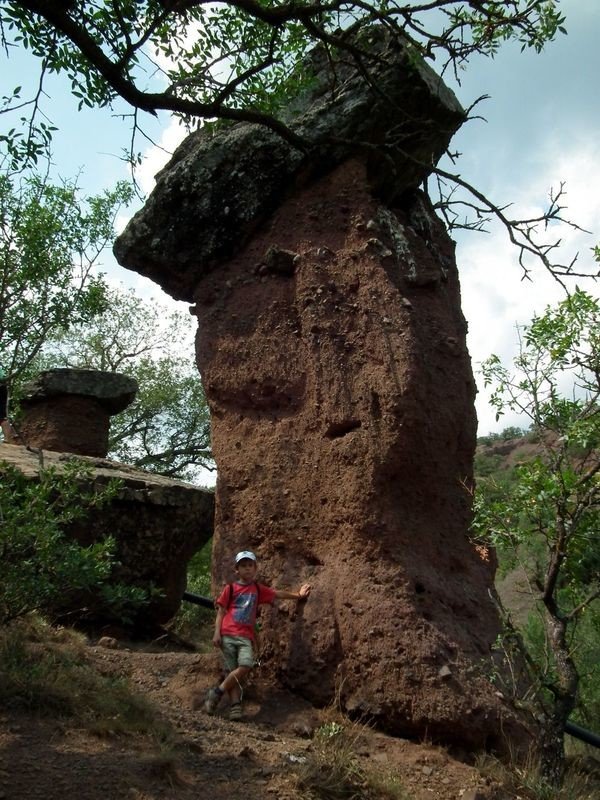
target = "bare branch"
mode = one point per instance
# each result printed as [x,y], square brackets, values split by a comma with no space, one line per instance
[522,232]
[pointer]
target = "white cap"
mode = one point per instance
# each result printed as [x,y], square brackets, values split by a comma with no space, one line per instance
[245,554]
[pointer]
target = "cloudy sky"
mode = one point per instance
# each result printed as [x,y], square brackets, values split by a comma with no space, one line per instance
[542,127]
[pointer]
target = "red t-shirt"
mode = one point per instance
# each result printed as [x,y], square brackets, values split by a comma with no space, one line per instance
[242,607]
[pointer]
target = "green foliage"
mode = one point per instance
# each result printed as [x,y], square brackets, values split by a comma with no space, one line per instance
[50,238]
[555,496]
[167,428]
[511,432]
[231,60]
[195,623]
[492,23]
[41,566]
[584,642]
[199,571]
[486,465]
[549,517]
[586,651]
[562,343]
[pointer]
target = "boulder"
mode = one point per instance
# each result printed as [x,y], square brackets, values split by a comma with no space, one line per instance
[158,524]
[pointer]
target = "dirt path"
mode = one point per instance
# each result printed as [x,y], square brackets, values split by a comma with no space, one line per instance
[209,757]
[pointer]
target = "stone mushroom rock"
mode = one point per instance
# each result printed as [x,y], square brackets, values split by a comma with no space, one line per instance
[333,353]
[219,187]
[158,524]
[69,410]
[112,390]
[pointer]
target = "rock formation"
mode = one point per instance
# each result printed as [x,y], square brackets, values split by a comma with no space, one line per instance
[332,349]
[219,188]
[69,410]
[158,524]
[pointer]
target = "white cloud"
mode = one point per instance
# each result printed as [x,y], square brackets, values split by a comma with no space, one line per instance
[156,156]
[495,297]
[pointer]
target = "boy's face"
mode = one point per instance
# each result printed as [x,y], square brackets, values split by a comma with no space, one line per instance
[246,569]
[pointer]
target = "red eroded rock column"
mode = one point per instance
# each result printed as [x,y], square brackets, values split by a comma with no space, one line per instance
[333,354]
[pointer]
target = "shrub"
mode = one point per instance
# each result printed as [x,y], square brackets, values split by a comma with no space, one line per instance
[42,566]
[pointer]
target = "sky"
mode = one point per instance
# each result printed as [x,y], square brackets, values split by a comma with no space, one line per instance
[542,127]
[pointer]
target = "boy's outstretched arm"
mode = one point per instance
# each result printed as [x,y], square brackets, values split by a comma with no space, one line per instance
[302,593]
[216,640]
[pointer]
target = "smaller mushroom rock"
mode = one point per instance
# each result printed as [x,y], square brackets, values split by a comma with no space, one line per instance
[69,410]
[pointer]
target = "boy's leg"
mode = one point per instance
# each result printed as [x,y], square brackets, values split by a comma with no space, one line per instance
[238,660]
[234,682]
[233,685]
[213,698]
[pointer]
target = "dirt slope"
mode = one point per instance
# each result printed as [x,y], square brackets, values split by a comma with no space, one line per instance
[212,758]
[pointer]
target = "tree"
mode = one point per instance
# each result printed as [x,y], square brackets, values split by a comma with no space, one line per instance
[232,60]
[50,239]
[243,59]
[550,516]
[167,427]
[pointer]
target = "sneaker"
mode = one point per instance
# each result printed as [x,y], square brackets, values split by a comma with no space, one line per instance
[235,712]
[213,698]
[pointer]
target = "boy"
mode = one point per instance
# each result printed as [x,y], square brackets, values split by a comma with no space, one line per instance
[234,629]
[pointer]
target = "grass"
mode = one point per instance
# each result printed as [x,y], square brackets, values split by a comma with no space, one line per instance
[44,671]
[332,770]
[526,781]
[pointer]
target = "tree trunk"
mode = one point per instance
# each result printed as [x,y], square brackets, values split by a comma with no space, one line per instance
[552,745]
[552,749]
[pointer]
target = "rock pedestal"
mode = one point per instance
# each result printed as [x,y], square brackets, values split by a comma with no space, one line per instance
[69,410]
[332,349]
[344,430]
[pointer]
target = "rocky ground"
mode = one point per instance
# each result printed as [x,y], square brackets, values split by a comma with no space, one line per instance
[211,757]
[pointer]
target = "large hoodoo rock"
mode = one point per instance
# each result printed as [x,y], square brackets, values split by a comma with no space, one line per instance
[332,348]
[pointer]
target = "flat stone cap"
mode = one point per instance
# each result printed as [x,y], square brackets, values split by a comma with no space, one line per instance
[220,186]
[112,390]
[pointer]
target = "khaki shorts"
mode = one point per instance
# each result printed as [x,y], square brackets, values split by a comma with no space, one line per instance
[237,652]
